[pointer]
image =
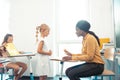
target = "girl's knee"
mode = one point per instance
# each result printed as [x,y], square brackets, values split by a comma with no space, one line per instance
[24,67]
[16,68]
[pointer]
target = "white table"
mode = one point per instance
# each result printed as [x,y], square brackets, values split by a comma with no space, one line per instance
[29,56]
[62,65]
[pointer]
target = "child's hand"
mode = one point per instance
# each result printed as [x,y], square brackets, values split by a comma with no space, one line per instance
[50,52]
[21,52]
[5,56]
[67,52]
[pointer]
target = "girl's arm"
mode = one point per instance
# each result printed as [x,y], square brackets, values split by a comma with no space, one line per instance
[4,55]
[3,52]
[41,51]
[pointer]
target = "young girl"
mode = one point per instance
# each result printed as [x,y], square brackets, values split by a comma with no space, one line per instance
[42,52]
[15,65]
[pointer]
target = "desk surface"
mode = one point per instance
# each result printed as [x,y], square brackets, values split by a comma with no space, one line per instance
[24,54]
[59,59]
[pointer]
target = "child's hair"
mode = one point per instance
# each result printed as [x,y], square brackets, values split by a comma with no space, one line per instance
[6,38]
[40,29]
[2,49]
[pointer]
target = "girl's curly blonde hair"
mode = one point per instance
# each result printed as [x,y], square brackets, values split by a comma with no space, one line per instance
[40,29]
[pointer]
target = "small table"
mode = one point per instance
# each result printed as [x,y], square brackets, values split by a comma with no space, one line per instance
[28,55]
[62,64]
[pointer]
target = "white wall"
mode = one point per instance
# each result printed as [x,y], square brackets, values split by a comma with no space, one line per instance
[101,17]
[4,16]
[25,15]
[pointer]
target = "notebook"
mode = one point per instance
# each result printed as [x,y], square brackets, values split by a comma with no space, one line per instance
[10,47]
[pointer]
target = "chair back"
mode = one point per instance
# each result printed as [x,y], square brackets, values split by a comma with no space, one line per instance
[109,54]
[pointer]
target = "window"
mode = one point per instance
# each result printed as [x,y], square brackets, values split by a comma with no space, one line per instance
[69,12]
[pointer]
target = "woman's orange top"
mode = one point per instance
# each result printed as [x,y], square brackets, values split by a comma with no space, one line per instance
[90,51]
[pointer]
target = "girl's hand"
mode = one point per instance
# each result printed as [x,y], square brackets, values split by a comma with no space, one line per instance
[50,52]
[67,52]
[67,58]
[21,52]
[5,56]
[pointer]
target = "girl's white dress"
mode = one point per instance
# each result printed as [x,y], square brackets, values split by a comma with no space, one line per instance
[43,62]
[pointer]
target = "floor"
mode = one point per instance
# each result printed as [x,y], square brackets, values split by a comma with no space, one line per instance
[50,78]
[55,78]
[37,78]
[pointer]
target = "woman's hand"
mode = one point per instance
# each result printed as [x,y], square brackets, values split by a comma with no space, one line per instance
[67,58]
[67,52]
